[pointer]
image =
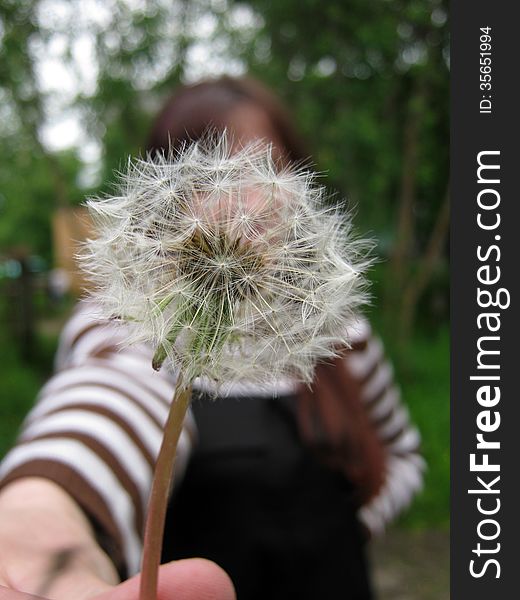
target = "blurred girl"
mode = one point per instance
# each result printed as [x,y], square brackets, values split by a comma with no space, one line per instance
[280,486]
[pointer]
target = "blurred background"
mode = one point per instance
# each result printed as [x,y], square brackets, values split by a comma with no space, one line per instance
[367,81]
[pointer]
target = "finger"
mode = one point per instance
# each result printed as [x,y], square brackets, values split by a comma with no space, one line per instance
[191,579]
[7,594]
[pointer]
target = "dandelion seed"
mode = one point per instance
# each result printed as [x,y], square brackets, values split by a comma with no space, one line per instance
[213,239]
[231,269]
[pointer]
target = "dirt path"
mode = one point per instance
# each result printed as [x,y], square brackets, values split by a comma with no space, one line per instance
[412,565]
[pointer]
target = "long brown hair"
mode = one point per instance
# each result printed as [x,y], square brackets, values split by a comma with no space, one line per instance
[209,104]
[331,416]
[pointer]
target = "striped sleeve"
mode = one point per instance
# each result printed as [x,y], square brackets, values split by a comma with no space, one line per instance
[382,400]
[96,430]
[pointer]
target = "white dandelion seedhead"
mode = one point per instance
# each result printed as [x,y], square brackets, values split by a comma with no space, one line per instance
[230,267]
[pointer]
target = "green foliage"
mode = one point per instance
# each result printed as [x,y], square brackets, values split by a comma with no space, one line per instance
[19,388]
[28,198]
[367,83]
[351,71]
[422,372]
[21,382]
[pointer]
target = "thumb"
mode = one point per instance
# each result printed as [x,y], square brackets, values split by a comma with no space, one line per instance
[190,579]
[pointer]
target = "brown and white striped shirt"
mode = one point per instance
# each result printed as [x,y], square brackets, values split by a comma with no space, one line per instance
[97,427]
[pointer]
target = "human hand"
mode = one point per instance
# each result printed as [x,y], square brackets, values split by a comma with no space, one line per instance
[47,549]
[191,579]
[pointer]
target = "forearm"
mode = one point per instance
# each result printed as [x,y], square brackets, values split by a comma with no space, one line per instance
[47,545]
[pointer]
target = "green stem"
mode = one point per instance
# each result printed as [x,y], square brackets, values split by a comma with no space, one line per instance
[162,480]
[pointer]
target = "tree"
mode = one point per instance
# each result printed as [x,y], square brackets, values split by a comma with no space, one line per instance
[367,82]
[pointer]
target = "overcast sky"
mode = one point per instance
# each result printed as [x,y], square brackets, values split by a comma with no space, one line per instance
[66,61]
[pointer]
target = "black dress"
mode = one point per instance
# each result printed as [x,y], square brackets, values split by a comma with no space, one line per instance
[258,503]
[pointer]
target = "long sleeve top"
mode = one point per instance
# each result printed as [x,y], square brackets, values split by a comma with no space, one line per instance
[96,429]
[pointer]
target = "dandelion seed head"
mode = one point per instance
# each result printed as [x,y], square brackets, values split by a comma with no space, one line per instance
[230,268]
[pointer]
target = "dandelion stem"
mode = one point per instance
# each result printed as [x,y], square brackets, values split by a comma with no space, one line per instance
[162,480]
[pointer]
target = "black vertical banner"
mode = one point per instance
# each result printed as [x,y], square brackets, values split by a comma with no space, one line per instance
[485,250]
